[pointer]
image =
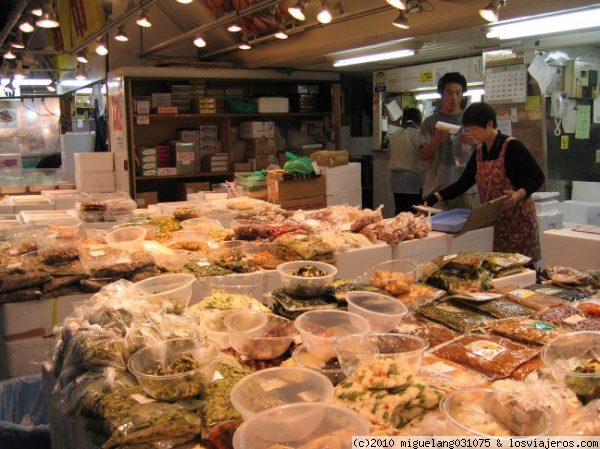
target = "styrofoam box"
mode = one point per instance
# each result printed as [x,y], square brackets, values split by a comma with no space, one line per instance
[64,199]
[565,247]
[94,162]
[583,212]
[273,104]
[31,202]
[550,221]
[37,318]
[6,209]
[422,250]
[478,240]
[354,262]
[547,207]
[542,197]
[25,357]
[523,279]
[8,224]
[342,178]
[586,191]
[41,216]
[99,181]
[350,197]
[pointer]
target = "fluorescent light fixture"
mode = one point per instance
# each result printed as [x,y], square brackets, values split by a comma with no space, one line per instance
[234,27]
[398,4]
[9,55]
[199,41]
[143,20]
[33,82]
[121,35]
[298,11]
[324,15]
[185,2]
[490,12]
[431,95]
[401,21]
[374,57]
[428,96]
[81,57]
[101,48]
[26,26]
[75,83]
[569,21]
[52,86]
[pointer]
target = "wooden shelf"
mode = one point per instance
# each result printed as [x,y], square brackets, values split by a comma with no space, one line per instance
[222,174]
[196,115]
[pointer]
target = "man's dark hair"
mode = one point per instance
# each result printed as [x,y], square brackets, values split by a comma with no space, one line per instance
[451,77]
[412,115]
[479,114]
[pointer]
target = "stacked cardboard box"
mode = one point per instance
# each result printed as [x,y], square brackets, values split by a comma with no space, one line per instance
[301,194]
[257,129]
[160,100]
[216,162]
[94,172]
[219,97]
[205,105]
[197,88]
[208,136]
[142,105]
[180,97]
[147,161]
[192,136]
[185,157]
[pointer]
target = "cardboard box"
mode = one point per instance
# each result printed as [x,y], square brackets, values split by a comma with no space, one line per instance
[167,110]
[261,146]
[143,151]
[100,181]
[315,202]
[569,248]
[278,191]
[149,173]
[142,106]
[94,162]
[273,104]
[256,129]
[262,162]
[143,199]
[149,166]
[166,171]
[161,99]
[185,157]
[242,167]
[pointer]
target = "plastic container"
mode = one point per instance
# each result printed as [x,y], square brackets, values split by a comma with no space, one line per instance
[320,329]
[451,221]
[305,286]
[405,266]
[295,425]
[172,261]
[272,387]
[383,312]
[65,227]
[490,413]
[178,386]
[406,349]
[330,369]
[240,284]
[232,248]
[172,290]
[129,238]
[214,328]
[259,336]
[220,214]
[27,241]
[566,355]
[203,225]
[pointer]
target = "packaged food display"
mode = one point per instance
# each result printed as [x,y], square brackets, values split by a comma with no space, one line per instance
[433,332]
[571,317]
[500,308]
[455,317]
[449,374]
[529,298]
[494,356]
[527,330]
[291,307]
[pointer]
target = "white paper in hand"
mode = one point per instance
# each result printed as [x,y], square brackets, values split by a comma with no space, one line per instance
[447,127]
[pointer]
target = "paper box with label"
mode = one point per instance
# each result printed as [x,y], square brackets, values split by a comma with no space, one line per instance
[143,199]
[260,146]
[166,171]
[316,202]
[278,190]
[94,162]
[254,130]
[185,156]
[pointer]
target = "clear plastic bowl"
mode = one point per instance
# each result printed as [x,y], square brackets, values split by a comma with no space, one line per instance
[305,359]
[491,413]
[65,227]
[129,238]
[259,336]
[27,240]
[214,328]
[232,248]
[305,286]
[406,349]
[566,353]
[202,225]
[273,387]
[172,290]
[383,312]
[178,386]
[320,329]
[220,214]
[404,266]
[239,284]
[173,261]
[295,425]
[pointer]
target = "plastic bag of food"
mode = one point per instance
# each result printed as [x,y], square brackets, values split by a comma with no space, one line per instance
[298,164]
[105,262]
[583,422]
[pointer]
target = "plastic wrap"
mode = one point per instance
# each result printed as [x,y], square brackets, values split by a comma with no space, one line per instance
[105,262]
[583,422]
[526,330]
[107,210]
[571,317]
[454,317]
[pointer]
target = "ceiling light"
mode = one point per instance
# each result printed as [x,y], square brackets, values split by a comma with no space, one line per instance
[48,19]
[199,41]
[490,12]
[19,73]
[578,20]
[101,48]
[80,72]
[244,44]
[9,55]
[121,36]
[143,20]
[234,28]
[26,26]
[428,96]
[324,15]
[37,11]
[52,86]
[18,42]
[81,57]
[281,34]
[185,2]
[401,21]
[374,57]
[398,4]
[298,10]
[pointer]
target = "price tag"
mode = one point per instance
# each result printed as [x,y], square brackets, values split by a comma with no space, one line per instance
[574,319]
[143,119]
[485,349]
[217,376]
[97,253]
[438,368]
[316,168]
[203,264]
[142,399]
[542,326]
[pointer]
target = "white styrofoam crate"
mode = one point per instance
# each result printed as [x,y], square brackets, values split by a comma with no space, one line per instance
[523,279]
[342,178]
[354,262]
[581,212]
[97,181]
[25,357]
[550,221]
[478,240]
[94,162]
[350,197]
[547,207]
[565,247]
[586,191]
[42,217]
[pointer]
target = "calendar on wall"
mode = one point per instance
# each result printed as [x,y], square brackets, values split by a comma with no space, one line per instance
[506,84]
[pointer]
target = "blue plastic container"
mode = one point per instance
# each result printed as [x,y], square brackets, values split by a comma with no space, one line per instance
[451,221]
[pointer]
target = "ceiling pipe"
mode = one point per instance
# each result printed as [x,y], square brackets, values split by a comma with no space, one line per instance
[112,24]
[189,35]
[12,20]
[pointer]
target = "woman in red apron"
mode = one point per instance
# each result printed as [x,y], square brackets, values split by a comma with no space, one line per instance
[500,166]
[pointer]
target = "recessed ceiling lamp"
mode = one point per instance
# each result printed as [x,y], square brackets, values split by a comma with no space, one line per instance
[374,57]
[19,73]
[9,55]
[556,23]
[52,86]
[244,44]
[121,36]
[18,42]
[398,4]
[401,21]
[199,41]
[298,10]
[81,57]
[101,48]
[80,72]
[48,19]
[185,2]
[143,20]
[26,26]
[324,15]
[281,34]
[490,12]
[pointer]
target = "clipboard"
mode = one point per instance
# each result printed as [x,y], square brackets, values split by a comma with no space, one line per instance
[483,215]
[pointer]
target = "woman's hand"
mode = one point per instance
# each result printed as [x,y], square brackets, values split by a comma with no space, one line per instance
[467,138]
[513,197]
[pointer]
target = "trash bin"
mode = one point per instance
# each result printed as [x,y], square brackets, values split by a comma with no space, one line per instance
[23,414]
